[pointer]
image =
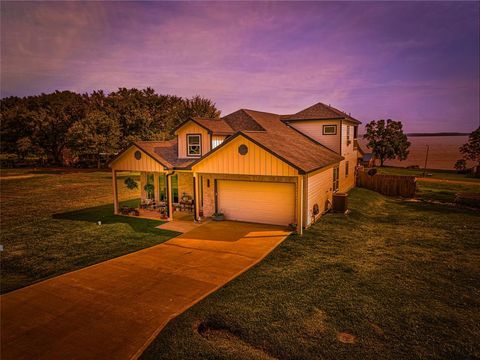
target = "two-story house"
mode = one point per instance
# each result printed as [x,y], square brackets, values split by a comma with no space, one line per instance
[250,165]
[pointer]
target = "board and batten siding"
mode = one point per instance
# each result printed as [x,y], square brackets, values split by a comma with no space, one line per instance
[217,140]
[319,190]
[257,161]
[314,129]
[128,162]
[191,128]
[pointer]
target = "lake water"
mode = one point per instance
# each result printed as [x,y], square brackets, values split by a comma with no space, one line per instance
[442,154]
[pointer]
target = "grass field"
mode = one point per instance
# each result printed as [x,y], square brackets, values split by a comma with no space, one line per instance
[392,280]
[49,224]
[441,185]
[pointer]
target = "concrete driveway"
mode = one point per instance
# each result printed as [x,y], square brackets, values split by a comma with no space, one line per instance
[116,308]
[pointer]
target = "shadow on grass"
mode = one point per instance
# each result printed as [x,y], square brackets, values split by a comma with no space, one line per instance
[104,213]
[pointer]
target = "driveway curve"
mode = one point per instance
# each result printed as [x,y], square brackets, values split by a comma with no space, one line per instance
[116,308]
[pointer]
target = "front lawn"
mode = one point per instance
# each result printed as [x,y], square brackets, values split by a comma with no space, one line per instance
[392,280]
[49,222]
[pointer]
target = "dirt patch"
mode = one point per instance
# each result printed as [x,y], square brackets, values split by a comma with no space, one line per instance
[346,338]
[220,336]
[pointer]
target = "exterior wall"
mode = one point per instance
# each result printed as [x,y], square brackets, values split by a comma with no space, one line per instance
[208,193]
[217,140]
[319,190]
[256,162]
[348,182]
[185,184]
[192,128]
[351,155]
[314,129]
[128,162]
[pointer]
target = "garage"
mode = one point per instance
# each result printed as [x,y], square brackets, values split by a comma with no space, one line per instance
[255,201]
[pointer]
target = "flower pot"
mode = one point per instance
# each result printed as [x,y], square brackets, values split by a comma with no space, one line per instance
[218,217]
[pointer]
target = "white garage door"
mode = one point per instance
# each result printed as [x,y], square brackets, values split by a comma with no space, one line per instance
[254,201]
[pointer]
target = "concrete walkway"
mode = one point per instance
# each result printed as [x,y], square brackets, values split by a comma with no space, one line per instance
[114,309]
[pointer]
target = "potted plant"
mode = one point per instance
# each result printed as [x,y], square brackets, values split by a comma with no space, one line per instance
[131,183]
[218,216]
[149,190]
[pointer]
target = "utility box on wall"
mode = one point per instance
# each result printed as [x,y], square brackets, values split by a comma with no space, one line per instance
[340,203]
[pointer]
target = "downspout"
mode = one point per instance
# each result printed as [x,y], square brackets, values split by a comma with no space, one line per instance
[169,195]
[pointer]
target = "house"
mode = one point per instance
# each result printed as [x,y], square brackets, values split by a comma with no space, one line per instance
[250,165]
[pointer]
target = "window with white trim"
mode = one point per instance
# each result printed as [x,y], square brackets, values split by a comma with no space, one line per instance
[348,132]
[329,129]
[335,178]
[194,145]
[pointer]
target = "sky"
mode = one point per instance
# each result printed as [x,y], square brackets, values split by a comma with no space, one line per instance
[418,62]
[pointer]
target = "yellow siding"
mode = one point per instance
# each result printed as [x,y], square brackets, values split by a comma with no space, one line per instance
[348,182]
[314,129]
[319,187]
[128,162]
[217,140]
[256,162]
[192,128]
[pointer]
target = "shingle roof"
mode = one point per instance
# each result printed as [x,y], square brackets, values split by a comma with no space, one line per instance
[300,151]
[319,111]
[270,131]
[241,120]
[165,152]
[216,126]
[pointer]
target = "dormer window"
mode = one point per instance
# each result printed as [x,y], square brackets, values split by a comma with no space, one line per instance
[194,145]
[329,129]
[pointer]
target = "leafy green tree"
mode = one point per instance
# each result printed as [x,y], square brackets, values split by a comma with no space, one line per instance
[14,125]
[471,150]
[197,106]
[97,134]
[460,165]
[387,140]
[50,117]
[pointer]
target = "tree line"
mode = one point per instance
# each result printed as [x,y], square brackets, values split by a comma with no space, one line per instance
[95,125]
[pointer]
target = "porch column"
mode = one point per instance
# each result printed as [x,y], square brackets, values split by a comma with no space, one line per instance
[170,198]
[115,191]
[143,182]
[300,204]
[196,196]
[156,187]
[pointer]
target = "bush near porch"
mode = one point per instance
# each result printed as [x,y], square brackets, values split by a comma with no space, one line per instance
[49,223]
[392,280]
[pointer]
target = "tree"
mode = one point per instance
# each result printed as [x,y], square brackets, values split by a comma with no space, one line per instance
[50,117]
[197,106]
[471,150]
[96,134]
[387,140]
[460,165]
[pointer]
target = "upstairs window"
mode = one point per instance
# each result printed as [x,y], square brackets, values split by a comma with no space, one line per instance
[347,165]
[329,129]
[194,145]
[348,132]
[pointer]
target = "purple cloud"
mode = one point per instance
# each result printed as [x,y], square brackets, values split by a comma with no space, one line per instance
[416,62]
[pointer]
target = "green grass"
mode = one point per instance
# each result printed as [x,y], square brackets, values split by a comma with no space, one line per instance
[402,277]
[50,224]
[435,174]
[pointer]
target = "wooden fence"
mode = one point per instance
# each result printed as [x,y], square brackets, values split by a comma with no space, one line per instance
[392,185]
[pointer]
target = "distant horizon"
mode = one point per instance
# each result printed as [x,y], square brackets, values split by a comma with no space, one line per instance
[414,62]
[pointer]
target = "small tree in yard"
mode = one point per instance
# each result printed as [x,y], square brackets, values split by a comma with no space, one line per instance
[460,165]
[471,150]
[387,140]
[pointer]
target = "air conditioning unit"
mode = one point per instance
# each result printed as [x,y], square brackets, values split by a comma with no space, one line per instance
[340,203]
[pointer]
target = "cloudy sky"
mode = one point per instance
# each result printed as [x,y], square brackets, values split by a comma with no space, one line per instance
[415,62]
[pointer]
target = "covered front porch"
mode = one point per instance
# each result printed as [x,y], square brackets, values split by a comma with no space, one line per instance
[165,196]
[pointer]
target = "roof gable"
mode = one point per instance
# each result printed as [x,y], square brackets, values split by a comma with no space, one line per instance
[213,126]
[319,111]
